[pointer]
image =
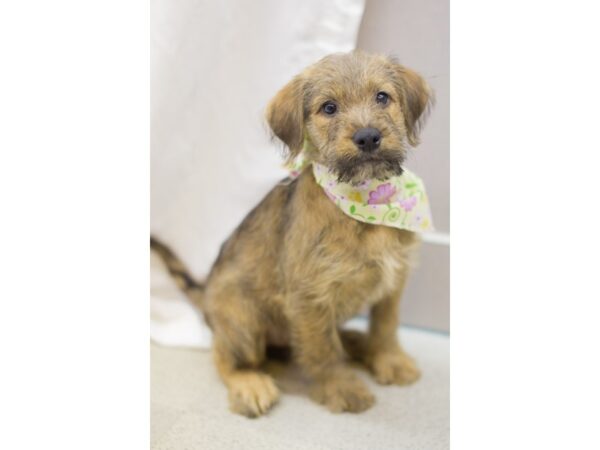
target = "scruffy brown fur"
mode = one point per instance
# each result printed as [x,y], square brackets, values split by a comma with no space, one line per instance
[297,267]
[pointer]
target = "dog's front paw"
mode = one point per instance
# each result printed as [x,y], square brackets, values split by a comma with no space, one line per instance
[394,367]
[252,394]
[344,392]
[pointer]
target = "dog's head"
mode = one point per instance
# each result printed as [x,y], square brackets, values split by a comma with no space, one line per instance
[360,112]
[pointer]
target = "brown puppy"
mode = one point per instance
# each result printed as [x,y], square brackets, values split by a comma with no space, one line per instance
[297,267]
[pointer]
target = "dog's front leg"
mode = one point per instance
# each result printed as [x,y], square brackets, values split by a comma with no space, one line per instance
[384,355]
[319,352]
[379,349]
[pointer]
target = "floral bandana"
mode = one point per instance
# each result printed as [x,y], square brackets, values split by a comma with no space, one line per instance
[399,201]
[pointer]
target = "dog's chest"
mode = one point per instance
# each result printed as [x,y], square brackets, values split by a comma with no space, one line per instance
[372,268]
[340,260]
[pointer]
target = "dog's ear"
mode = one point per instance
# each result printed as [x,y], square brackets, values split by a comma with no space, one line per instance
[285,115]
[416,98]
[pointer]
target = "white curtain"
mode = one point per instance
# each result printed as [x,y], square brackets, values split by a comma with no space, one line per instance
[215,65]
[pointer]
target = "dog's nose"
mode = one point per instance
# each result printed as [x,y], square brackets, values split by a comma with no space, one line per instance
[367,139]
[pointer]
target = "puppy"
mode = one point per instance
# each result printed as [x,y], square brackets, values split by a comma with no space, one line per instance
[297,267]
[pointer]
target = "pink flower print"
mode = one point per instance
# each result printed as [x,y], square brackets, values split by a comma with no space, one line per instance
[383,194]
[332,197]
[409,203]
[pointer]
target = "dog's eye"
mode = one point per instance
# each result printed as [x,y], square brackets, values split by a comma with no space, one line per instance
[382,98]
[329,108]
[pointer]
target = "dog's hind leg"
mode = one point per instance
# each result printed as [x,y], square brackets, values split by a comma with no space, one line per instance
[251,392]
[239,350]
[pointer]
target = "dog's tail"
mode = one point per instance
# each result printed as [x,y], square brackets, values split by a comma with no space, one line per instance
[192,288]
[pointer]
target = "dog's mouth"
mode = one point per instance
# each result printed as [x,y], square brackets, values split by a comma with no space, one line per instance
[379,165]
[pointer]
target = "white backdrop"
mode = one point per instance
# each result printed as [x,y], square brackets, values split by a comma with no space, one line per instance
[214,67]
